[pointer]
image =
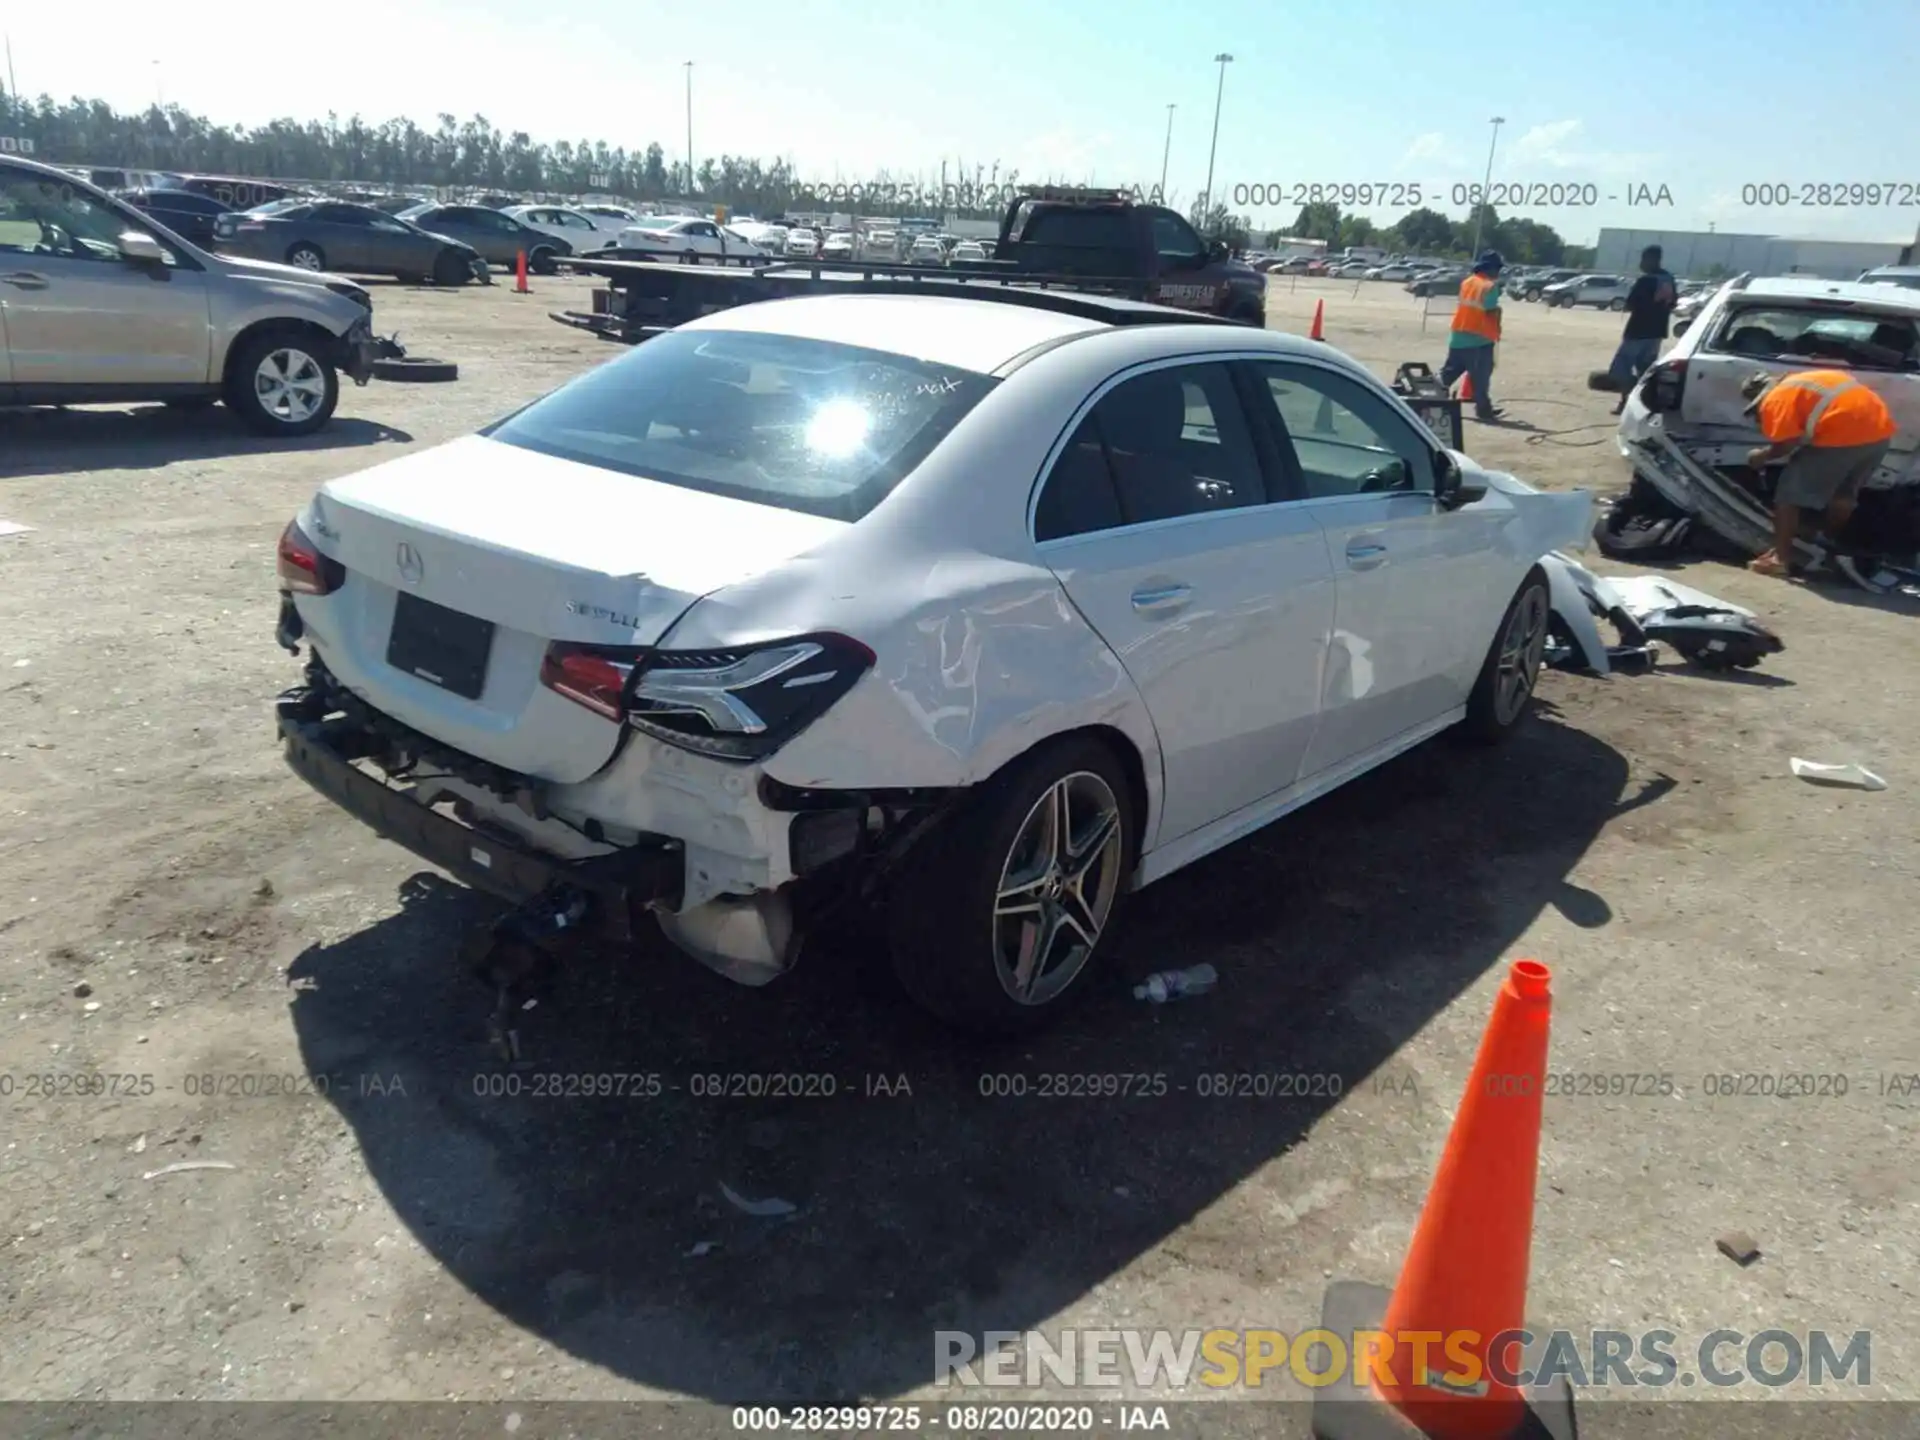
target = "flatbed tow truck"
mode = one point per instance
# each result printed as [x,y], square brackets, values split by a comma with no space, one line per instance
[1070,240]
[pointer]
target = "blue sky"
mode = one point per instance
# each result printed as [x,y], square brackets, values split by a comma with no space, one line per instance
[1700,96]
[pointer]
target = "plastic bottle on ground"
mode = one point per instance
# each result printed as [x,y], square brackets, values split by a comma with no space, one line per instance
[1176,984]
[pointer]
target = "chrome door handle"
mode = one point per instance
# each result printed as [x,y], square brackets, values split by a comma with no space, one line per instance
[1364,555]
[1161,599]
[25,280]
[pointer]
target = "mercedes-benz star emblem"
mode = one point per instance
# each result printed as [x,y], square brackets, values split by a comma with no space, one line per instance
[411,566]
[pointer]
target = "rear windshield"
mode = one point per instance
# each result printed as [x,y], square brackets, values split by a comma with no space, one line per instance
[1849,338]
[805,425]
[1091,229]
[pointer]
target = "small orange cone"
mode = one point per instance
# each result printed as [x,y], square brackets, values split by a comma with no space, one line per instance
[1466,387]
[520,274]
[1447,1339]
[1319,313]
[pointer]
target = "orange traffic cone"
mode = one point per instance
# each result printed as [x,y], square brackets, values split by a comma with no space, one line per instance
[1466,387]
[1319,313]
[1443,1350]
[520,274]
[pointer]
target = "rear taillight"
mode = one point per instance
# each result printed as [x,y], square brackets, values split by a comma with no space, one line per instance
[303,570]
[590,675]
[1664,385]
[734,704]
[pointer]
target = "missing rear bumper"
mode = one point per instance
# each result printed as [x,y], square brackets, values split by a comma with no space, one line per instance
[621,883]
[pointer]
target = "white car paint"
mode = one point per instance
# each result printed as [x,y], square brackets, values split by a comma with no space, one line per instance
[1252,658]
[685,237]
[584,231]
[1712,426]
[801,242]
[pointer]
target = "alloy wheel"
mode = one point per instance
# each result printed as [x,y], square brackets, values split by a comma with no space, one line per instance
[1521,650]
[1057,887]
[290,385]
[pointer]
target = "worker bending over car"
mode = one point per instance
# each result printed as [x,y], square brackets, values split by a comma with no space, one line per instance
[1833,432]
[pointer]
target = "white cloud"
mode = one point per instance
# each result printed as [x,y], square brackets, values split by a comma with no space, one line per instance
[1556,146]
[1431,146]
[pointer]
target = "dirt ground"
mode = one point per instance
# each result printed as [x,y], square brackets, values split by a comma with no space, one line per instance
[404,1235]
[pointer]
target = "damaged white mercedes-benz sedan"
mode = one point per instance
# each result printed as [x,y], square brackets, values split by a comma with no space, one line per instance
[982,610]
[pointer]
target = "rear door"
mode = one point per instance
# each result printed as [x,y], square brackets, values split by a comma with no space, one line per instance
[1154,516]
[1416,584]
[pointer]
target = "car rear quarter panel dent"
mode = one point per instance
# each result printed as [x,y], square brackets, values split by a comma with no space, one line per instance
[987,666]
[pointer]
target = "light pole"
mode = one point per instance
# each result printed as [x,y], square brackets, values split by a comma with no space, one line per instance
[1480,211]
[1164,153]
[1222,60]
[689,128]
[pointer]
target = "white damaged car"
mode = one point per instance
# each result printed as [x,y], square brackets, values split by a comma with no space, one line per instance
[985,611]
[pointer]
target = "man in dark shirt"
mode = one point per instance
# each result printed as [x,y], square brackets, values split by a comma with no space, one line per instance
[1649,306]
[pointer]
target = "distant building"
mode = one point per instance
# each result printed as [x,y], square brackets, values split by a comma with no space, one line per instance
[1694,254]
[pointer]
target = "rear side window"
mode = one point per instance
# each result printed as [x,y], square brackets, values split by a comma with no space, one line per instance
[1081,229]
[1169,443]
[1849,339]
[801,424]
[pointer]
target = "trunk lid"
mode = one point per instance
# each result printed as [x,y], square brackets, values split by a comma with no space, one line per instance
[466,560]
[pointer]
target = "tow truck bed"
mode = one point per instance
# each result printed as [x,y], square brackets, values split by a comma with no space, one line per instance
[645,298]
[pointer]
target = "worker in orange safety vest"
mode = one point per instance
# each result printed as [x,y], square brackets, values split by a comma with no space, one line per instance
[1476,331]
[1833,432]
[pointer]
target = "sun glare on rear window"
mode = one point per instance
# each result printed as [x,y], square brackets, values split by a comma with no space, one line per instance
[806,425]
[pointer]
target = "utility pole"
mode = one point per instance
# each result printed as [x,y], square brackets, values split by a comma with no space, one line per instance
[1206,201]
[1486,188]
[689,128]
[13,90]
[1164,153]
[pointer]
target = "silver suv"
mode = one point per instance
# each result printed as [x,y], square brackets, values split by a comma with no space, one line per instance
[101,304]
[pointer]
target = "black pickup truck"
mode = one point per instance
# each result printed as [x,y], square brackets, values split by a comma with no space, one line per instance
[1086,241]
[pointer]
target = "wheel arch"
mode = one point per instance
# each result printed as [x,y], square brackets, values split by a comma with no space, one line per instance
[324,341]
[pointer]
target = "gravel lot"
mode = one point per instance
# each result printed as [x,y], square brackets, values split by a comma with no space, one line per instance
[405,1236]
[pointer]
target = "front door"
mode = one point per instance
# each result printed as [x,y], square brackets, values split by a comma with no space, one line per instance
[1156,519]
[1410,627]
[75,312]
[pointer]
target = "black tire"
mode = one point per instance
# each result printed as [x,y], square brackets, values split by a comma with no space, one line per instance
[689,257]
[1617,303]
[450,267]
[541,262]
[1492,714]
[418,369]
[944,938]
[295,356]
[307,256]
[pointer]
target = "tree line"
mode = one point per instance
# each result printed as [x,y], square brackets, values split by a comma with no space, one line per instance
[474,154]
[456,154]
[1428,232]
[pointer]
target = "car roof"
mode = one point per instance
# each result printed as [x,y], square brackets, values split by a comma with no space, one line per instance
[1795,287]
[984,336]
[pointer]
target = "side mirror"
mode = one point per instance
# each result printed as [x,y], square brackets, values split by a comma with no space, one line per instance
[1680,327]
[1452,489]
[138,248]
[1217,250]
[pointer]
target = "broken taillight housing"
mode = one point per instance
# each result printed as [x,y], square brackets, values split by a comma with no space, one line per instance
[1663,386]
[733,704]
[590,675]
[303,570]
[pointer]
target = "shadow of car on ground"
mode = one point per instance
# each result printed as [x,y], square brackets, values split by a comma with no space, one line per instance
[48,441]
[1339,932]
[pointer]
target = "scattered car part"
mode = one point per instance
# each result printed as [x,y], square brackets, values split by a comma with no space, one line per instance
[1845,777]
[1712,633]
[418,369]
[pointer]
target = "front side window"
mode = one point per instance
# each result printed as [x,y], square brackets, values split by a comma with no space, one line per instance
[808,425]
[40,215]
[1345,439]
